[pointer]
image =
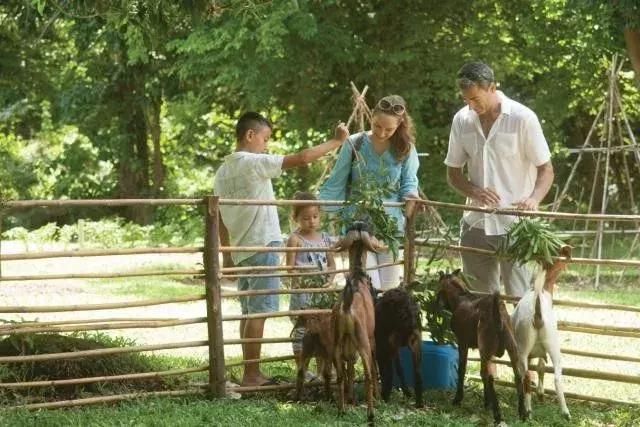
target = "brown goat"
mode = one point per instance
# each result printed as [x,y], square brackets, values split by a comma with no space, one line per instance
[354,320]
[318,342]
[480,322]
[553,271]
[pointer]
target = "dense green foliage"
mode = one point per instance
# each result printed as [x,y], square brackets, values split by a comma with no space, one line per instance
[102,99]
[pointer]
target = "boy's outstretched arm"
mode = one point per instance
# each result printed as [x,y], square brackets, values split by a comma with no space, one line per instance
[311,154]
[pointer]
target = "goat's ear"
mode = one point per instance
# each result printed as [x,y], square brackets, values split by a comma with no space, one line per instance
[456,272]
[565,251]
[441,300]
[441,274]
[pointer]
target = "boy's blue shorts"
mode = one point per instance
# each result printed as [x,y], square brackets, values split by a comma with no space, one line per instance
[260,303]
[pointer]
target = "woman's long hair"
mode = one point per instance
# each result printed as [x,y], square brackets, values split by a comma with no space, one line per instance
[405,135]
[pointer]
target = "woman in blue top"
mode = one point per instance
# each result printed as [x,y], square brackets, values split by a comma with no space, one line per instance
[386,153]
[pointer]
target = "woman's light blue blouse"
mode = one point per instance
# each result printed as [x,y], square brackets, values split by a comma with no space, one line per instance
[403,176]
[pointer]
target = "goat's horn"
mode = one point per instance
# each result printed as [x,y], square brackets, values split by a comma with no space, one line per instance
[371,243]
[345,242]
[565,251]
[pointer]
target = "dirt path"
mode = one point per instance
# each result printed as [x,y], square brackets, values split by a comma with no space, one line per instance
[77,291]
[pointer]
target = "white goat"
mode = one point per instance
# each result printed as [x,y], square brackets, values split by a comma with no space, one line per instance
[536,331]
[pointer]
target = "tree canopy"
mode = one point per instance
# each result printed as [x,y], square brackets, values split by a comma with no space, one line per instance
[138,98]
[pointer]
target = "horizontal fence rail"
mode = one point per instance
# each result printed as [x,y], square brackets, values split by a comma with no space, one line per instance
[29,204]
[104,379]
[103,275]
[100,326]
[567,394]
[580,373]
[107,399]
[101,352]
[312,273]
[103,306]
[98,252]
[540,214]
[572,260]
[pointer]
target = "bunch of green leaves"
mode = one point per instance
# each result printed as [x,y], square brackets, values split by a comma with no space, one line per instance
[365,203]
[531,240]
[436,319]
[323,300]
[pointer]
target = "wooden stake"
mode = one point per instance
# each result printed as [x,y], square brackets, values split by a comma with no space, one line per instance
[409,241]
[605,185]
[211,253]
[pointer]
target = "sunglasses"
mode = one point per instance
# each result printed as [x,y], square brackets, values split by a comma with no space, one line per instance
[385,105]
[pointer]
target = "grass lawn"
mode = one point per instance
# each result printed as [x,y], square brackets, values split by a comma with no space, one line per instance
[269,411]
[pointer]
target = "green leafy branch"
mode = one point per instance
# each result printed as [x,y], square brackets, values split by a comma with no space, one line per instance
[436,319]
[531,240]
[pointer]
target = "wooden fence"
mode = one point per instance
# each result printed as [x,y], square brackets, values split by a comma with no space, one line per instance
[213,273]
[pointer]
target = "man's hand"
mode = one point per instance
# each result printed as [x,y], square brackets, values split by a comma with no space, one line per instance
[486,196]
[342,132]
[528,204]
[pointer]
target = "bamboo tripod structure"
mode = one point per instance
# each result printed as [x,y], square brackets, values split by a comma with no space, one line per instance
[608,124]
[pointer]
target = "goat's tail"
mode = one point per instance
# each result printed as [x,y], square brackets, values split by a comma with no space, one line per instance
[495,305]
[538,287]
[347,295]
[538,323]
[498,323]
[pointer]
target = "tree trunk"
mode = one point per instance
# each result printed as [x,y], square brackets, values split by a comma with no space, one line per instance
[632,39]
[154,106]
[133,167]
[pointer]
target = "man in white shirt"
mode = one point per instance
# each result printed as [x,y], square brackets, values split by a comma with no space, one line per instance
[246,174]
[508,165]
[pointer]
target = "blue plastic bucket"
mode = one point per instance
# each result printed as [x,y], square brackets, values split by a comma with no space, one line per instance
[439,366]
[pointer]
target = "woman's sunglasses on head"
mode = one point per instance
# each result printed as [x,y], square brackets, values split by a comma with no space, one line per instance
[385,105]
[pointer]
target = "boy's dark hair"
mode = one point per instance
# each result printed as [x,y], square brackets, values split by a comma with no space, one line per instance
[250,121]
[475,73]
[301,195]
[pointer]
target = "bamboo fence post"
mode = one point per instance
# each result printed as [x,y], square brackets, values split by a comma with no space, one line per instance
[212,295]
[409,241]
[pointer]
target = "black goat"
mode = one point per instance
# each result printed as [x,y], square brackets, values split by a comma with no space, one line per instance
[398,324]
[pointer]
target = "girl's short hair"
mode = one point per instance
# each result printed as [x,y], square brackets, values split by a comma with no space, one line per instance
[301,195]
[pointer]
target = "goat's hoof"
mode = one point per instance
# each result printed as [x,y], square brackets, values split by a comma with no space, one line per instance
[457,401]
[567,416]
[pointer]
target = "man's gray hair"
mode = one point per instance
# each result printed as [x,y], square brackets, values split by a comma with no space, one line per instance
[475,73]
